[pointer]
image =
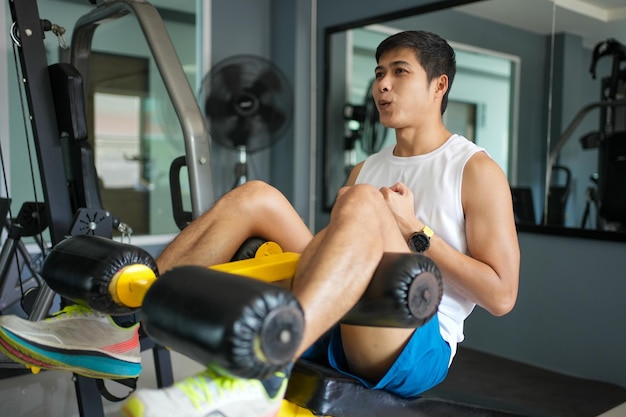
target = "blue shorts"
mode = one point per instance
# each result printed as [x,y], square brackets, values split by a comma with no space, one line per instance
[422,364]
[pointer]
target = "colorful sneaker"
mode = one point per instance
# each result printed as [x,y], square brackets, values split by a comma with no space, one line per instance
[210,394]
[75,339]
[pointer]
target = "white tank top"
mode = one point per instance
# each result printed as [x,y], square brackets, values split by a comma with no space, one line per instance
[435,179]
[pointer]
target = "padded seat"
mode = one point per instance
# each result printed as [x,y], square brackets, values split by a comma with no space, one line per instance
[327,392]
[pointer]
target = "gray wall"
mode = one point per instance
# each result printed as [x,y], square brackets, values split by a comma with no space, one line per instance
[238,27]
[570,315]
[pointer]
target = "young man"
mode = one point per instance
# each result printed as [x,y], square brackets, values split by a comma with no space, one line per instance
[430,181]
[433,191]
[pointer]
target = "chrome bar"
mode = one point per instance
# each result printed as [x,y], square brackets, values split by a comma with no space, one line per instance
[196,136]
[43,303]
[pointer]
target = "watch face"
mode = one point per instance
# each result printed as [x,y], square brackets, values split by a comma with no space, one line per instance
[419,242]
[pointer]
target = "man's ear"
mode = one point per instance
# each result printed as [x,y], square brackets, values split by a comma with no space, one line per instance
[441,85]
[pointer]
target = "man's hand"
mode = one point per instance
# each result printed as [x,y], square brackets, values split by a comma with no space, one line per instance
[399,199]
[342,191]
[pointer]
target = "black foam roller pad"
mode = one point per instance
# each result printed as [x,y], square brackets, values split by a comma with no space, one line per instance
[247,327]
[405,291]
[248,249]
[80,268]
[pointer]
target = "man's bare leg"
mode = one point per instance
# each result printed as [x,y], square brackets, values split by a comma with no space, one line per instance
[252,209]
[335,270]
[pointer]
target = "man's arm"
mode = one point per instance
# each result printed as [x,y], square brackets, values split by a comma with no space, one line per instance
[354,173]
[489,275]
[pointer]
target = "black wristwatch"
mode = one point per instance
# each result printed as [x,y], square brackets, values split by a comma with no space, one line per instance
[420,241]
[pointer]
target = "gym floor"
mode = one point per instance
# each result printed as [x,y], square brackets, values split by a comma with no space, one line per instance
[52,393]
[498,383]
[475,378]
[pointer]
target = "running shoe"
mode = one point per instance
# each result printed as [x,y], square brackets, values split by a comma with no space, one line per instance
[75,339]
[210,394]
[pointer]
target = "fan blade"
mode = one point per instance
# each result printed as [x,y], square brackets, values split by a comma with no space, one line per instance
[228,76]
[268,81]
[260,137]
[271,117]
[218,108]
[220,130]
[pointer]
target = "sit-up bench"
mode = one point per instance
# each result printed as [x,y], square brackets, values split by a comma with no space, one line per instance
[229,316]
[220,315]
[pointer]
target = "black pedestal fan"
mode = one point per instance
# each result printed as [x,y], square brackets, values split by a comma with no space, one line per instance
[248,104]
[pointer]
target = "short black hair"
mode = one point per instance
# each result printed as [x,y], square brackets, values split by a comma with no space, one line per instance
[433,53]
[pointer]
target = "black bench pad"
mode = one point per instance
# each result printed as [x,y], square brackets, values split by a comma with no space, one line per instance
[327,392]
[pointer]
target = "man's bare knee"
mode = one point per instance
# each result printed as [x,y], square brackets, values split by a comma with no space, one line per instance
[358,198]
[364,205]
[248,197]
[252,189]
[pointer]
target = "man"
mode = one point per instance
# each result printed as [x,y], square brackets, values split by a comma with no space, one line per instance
[430,177]
[433,191]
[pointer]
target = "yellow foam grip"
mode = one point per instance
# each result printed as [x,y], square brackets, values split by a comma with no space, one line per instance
[270,264]
[130,284]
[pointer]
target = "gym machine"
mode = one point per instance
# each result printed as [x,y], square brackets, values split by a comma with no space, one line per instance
[608,193]
[230,316]
[57,118]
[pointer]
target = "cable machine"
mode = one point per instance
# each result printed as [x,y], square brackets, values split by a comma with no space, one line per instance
[56,113]
[608,193]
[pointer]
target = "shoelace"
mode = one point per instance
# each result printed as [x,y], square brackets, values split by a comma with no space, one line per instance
[209,386]
[71,311]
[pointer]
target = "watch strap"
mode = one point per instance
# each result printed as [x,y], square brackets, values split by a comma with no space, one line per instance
[428,231]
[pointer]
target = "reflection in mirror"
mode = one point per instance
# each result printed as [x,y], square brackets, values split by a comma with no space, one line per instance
[117,89]
[136,132]
[583,187]
[539,105]
[118,148]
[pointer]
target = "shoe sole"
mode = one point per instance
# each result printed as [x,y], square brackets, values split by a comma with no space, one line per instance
[89,365]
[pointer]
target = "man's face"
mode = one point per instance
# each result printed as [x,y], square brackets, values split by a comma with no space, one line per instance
[403,96]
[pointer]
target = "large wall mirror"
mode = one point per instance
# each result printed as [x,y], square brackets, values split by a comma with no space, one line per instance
[524,91]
